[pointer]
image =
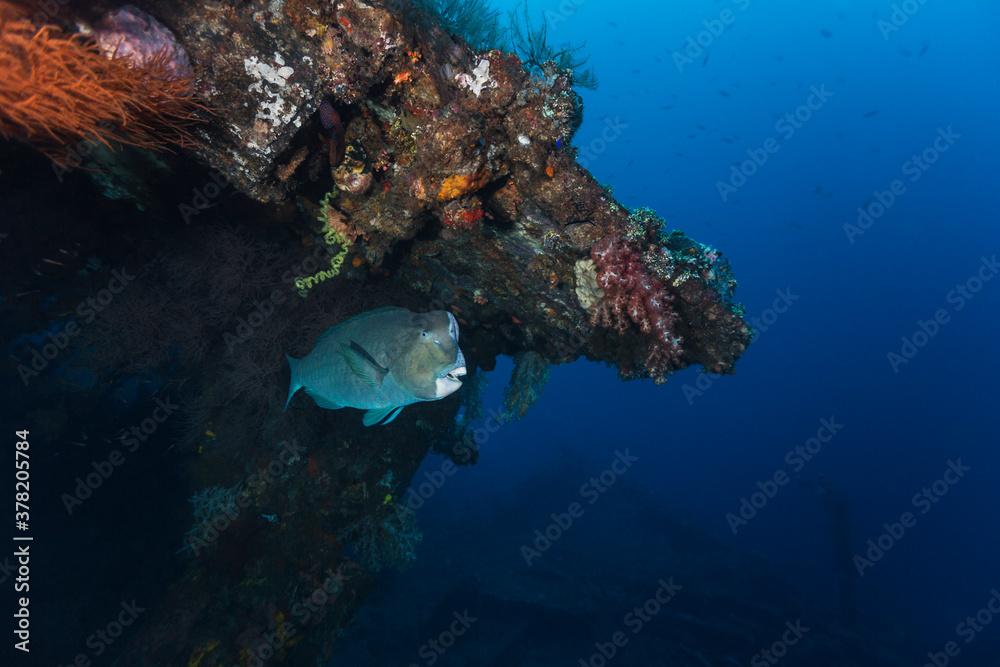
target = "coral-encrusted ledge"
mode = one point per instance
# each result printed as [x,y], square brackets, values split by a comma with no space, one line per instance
[456,166]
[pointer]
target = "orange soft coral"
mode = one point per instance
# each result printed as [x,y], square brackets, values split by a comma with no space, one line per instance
[58,89]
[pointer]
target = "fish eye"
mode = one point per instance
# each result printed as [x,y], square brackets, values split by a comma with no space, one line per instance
[425,334]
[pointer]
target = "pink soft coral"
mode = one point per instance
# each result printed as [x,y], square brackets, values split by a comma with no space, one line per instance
[631,294]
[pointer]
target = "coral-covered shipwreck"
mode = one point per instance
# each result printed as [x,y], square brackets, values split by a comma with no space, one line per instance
[349,154]
[459,162]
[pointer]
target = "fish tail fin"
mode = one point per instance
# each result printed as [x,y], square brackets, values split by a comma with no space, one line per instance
[294,384]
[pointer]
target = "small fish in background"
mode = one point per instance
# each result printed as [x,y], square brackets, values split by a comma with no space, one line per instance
[381,361]
[827,34]
[923,49]
[705,60]
[724,93]
[872,113]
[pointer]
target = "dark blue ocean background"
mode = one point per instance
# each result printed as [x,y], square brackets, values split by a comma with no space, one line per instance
[849,290]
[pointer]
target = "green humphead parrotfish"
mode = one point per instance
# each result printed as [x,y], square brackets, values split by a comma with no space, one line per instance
[381,361]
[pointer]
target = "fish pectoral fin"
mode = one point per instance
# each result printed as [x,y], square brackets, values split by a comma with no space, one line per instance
[363,364]
[393,415]
[373,417]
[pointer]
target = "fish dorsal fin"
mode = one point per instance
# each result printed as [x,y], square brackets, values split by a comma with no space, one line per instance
[373,417]
[363,364]
[372,313]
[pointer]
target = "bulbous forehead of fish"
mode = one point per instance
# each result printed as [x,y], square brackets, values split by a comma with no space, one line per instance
[427,362]
[438,324]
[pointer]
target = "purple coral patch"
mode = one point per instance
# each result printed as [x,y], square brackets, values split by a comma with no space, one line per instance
[129,32]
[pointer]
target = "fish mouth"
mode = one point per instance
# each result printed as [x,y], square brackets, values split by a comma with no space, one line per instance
[450,382]
[456,374]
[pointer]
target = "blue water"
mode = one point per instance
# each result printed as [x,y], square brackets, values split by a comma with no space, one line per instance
[870,94]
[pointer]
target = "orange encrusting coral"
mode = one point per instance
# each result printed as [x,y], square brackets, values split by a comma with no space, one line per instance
[57,89]
[455,186]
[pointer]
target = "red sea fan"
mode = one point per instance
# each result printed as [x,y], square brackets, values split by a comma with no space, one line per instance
[57,89]
[632,295]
